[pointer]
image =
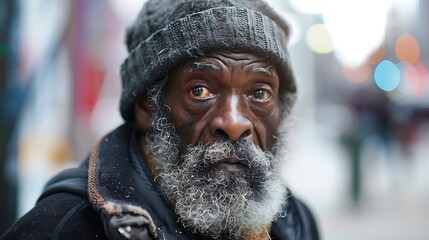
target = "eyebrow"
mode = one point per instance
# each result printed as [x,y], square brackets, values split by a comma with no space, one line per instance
[198,66]
[265,70]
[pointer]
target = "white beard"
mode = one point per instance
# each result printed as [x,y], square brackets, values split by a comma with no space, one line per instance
[214,202]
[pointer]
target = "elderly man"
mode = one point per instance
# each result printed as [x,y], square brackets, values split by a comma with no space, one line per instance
[207,88]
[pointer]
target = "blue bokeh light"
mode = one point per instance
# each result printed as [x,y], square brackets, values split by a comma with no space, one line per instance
[387,75]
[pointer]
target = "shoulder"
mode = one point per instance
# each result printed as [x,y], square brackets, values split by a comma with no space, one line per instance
[58,216]
[63,211]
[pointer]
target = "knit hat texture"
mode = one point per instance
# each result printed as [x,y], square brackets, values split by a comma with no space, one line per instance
[167,32]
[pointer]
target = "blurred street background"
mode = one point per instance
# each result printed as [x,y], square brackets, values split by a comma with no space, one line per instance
[360,138]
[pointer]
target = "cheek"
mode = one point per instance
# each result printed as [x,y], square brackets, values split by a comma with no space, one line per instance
[190,118]
[271,125]
[184,124]
[188,124]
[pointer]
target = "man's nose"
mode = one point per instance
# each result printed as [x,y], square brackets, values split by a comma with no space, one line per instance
[231,120]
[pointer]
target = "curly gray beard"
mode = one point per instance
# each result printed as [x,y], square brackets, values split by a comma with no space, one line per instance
[210,201]
[206,199]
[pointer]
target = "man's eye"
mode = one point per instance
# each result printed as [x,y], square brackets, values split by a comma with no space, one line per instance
[260,95]
[201,92]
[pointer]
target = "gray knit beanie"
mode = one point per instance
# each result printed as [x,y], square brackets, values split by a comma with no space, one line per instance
[167,32]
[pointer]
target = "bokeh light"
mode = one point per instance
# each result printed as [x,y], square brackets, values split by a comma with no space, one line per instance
[410,78]
[357,74]
[318,39]
[377,56]
[387,75]
[424,77]
[407,48]
[355,36]
[423,72]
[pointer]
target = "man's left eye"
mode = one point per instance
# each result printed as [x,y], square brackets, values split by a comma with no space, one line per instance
[260,95]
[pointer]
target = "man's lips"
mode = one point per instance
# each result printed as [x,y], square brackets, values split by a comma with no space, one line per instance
[233,165]
[235,160]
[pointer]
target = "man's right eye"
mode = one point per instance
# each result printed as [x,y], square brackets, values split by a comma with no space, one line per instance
[201,92]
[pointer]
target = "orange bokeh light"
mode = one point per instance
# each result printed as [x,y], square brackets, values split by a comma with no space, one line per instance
[357,74]
[407,48]
[377,56]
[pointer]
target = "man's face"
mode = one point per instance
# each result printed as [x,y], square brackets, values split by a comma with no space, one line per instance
[213,147]
[225,95]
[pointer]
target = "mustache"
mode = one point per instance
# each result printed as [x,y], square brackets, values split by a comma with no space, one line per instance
[243,151]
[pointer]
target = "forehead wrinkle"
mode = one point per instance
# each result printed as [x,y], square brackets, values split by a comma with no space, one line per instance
[199,66]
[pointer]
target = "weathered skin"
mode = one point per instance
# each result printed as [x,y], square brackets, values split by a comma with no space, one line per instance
[225,94]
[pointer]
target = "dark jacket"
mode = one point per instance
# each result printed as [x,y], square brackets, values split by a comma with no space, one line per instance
[114,187]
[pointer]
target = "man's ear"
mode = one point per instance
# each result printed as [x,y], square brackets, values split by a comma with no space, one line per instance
[143,113]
